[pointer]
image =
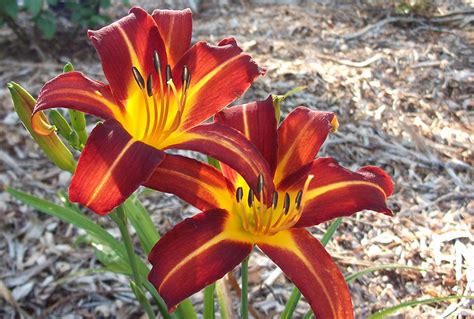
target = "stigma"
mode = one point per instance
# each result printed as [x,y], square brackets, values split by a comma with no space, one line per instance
[163,102]
[281,213]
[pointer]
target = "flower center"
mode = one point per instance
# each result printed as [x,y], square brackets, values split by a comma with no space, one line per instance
[163,104]
[260,219]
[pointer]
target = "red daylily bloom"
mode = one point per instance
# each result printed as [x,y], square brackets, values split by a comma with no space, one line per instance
[307,192]
[159,93]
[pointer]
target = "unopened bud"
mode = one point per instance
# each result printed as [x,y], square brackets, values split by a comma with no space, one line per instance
[49,142]
[60,123]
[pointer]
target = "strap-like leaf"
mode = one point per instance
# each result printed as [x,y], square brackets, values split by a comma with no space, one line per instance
[388,311]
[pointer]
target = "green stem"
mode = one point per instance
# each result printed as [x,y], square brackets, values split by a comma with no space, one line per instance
[209,301]
[244,310]
[121,220]
[296,294]
[291,304]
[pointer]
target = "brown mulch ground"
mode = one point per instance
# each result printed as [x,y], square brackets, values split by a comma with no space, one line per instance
[403,90]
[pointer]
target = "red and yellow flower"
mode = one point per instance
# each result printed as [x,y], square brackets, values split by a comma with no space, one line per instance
[303,191]
[159,92]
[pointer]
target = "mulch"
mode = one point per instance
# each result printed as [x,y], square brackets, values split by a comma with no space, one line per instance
[402,88]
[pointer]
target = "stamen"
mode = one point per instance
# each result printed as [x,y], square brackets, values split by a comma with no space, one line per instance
[239,194]
[275,200]
[185,78]
[186,82]
[159,123]
[286,204]
[138,77]
[156,62]
[298,199]
[250,198]
[260,184]
[168,73]
[165,108]
[149,86]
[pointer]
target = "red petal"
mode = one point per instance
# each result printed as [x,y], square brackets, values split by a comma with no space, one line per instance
[176,27]
[336,191]
[230,147]
[299,138]
[194,254]
[199,184]
[219,75]
[73,90]
[111,167]
[128,42]
[305,261]
[257,122]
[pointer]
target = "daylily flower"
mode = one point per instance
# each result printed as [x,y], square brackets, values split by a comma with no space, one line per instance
[308,191]
[160,92]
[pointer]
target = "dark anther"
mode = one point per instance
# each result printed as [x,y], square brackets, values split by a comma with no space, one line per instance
[239,194]
[275,200]
[260,184]
[149,86]
[156,62]
[168,72]
[250,198]
[186,77]
[286,204]
[138,77]
[298,199]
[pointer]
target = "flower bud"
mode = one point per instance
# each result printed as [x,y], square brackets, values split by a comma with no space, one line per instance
[51,144]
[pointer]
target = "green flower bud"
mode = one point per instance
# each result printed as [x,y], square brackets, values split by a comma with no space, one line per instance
[51,144]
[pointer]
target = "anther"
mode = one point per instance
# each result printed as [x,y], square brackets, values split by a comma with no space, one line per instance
[275,200]
[138,77]
[239,194]
[286,204]
[250,198]
[298,199]
[260,184]
[168,73]
[186,77]
[156,62]
[149,86]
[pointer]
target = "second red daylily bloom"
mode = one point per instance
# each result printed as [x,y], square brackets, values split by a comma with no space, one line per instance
[308,191]
[159,93]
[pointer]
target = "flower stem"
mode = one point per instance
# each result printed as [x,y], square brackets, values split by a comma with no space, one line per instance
[121,221]
[209,301]
[244,310]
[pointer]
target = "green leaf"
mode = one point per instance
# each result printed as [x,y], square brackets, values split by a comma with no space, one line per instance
[111,261]
[99,234]
[34,6]
[291,304]
[331,231]
[53,2]
[388,311]
[351,277]
[185,310]
[9,8]
[105,4]
[142,223]
[46,23]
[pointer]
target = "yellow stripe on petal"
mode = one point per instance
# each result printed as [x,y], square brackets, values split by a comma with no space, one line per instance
[315,192]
